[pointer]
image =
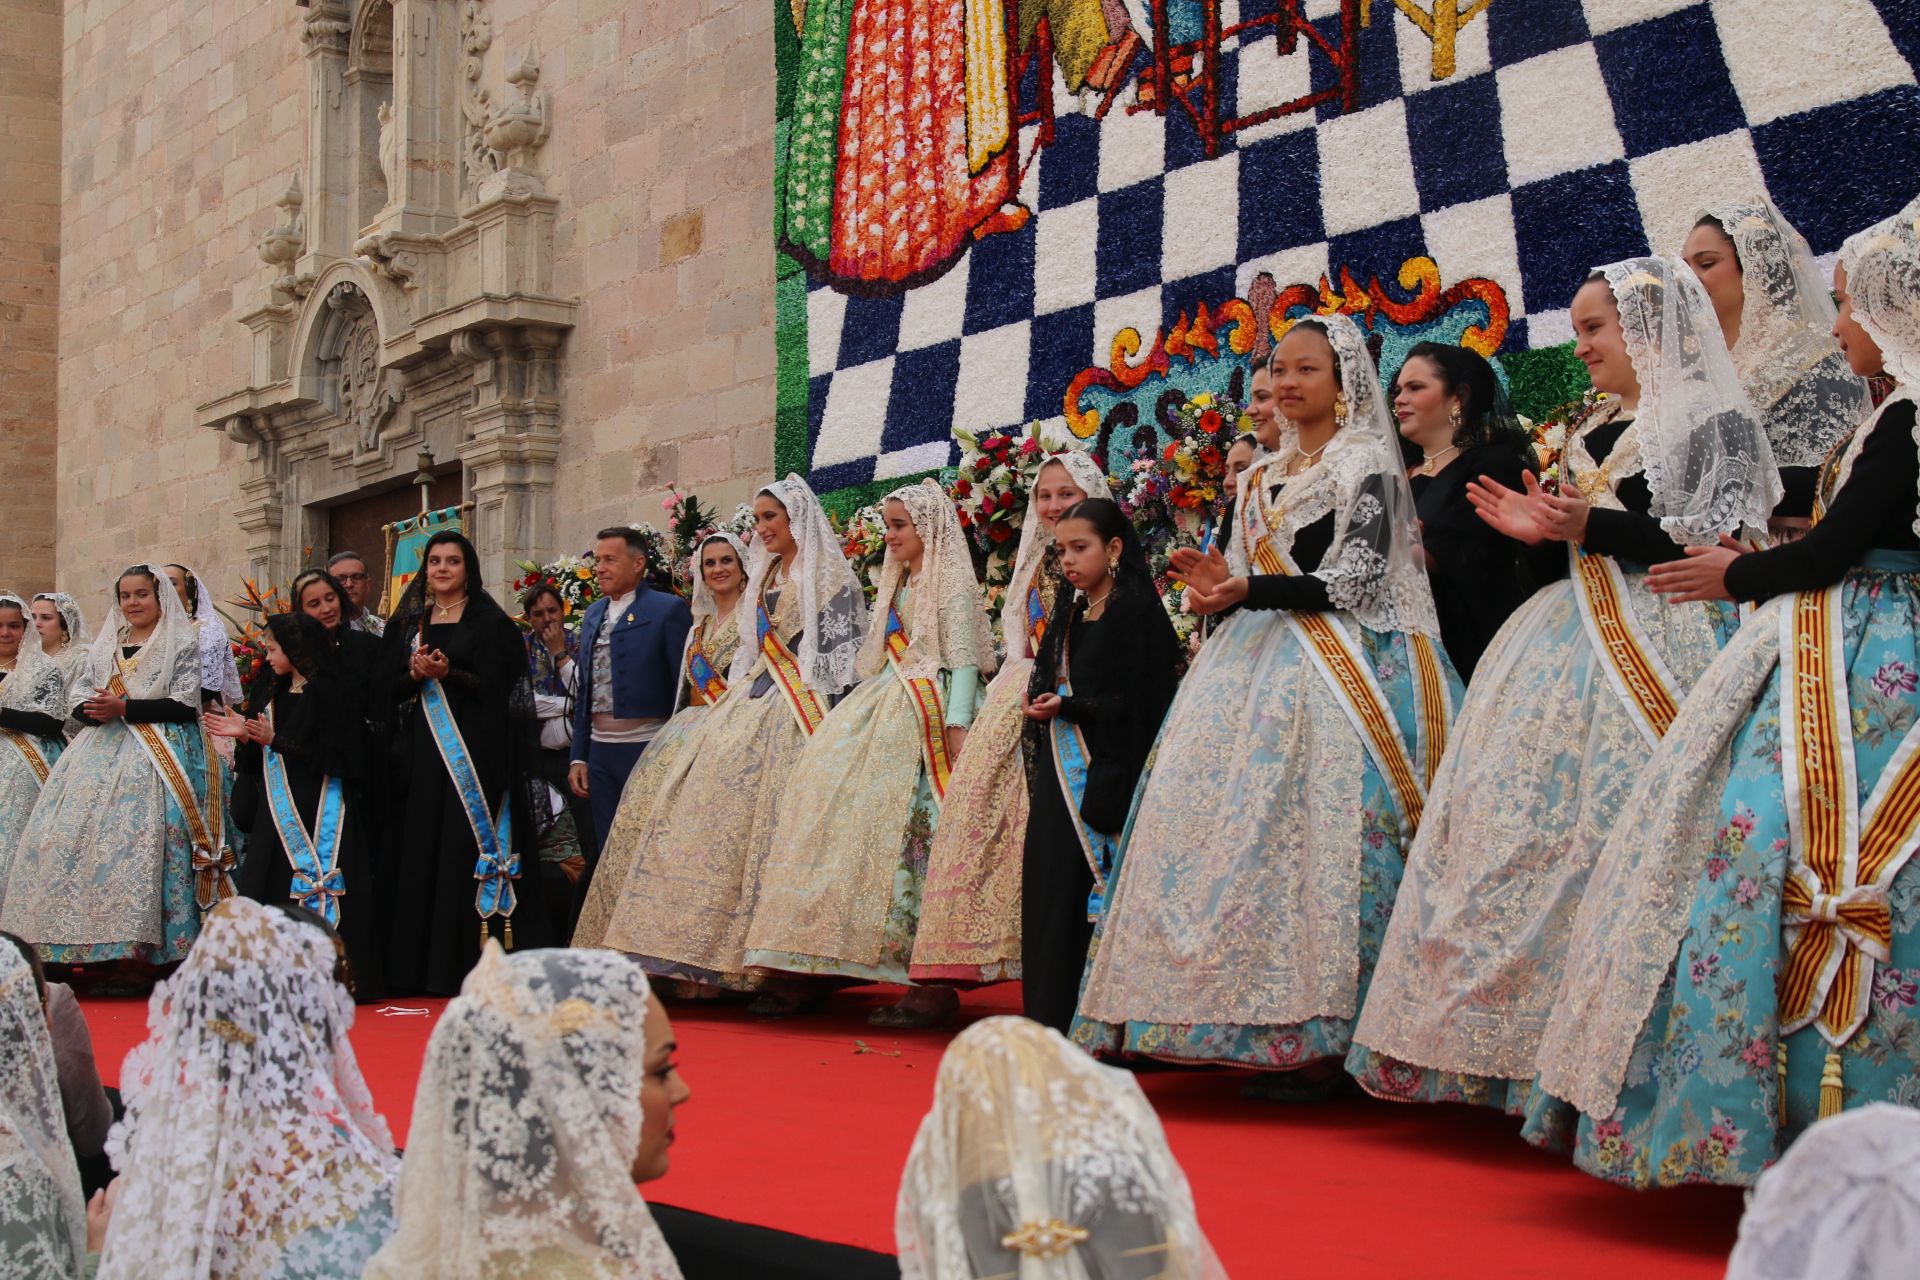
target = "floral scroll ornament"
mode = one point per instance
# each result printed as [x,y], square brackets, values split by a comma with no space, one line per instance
[476,37]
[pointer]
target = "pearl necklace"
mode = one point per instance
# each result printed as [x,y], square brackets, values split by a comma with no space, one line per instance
[1427,460]
[444,610]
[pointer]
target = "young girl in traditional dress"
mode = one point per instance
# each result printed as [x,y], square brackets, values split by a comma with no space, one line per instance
[33,713]
[300,748]
[702,838]
[1572,696]
[841,891]
[719,578]
[1255,879]
[127,845]
[1747,956]
[63,630]
[1103,680]
[970,906]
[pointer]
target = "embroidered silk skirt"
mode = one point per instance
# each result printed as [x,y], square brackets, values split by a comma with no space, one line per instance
[19,792]
[1544,757]
[1259,868]
[1668,1035]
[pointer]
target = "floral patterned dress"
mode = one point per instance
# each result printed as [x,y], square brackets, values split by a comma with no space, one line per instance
[1706,1097]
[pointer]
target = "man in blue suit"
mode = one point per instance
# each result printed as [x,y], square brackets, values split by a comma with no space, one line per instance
[630,646]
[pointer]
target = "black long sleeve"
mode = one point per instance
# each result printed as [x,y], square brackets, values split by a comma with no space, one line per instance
[1287,591]
[1873,510]
[147,711]
[37,723]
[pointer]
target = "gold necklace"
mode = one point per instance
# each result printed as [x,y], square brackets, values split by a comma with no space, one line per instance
[1427,460]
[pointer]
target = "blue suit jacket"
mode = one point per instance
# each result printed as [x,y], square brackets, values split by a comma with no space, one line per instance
[646,645]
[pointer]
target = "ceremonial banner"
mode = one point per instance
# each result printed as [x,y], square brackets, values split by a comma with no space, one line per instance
[406,543]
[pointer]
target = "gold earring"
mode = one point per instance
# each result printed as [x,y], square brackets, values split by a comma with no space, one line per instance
[1453,418]
[1113,565]
[1339,410]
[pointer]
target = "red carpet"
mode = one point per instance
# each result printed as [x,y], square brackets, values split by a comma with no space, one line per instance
[803,1125]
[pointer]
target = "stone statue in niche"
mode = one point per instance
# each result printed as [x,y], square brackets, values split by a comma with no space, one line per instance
[389,153]
[367,398]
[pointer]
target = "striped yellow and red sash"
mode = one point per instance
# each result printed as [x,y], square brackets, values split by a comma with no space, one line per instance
[213,860]
[1354,687]
[805,704]
[927,704]
[35,761]
[708,683]
[1635,670]
[1834,904]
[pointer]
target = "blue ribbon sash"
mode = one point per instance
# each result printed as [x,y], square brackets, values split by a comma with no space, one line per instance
[497,866]
[317,882]
[1070,765]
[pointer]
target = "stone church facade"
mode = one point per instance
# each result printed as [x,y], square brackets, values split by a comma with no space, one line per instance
[303,243]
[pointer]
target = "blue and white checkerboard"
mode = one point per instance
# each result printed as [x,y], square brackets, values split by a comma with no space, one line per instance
[1570,134]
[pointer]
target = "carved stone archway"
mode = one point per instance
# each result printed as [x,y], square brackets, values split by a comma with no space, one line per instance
[430,326]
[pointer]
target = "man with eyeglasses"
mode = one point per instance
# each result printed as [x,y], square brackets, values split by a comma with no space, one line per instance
[350,571]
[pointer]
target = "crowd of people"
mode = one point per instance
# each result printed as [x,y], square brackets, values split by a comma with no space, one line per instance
[1567,771]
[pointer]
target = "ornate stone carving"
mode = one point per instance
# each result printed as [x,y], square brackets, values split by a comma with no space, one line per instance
[389,153]
[476,37]
[518,129]
[326,29]
[367,392]
[394,256]
[281,247]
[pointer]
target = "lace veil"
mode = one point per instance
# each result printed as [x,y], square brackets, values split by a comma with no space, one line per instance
[168,664]
[1706,455]
[1373,568]
[1037,1162]
[1787,359]
[1843,1204]
[1034,540]
[38,683]
[949,628]
[70,613]
[250,1138]
[831,599]
[526,1126]
[218,671]
[43,1218]
[1883,278]
[703,602]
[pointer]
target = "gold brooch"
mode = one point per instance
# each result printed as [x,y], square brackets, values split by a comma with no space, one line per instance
[1050,1239]
[572,1015]
[230,1032]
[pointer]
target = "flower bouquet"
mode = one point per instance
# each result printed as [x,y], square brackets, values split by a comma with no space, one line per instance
[989,491]
[1176,493]
[570,576]
[687,523]
[864,542]
[250,645]
[1551,436]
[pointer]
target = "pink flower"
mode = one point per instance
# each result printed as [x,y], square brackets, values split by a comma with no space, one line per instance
[1757,1055]
[1716,867]
[1895,677]
[669,503]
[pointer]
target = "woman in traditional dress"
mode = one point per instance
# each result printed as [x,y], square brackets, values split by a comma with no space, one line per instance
[1747,956]
[465,814]
[970,905]
[62,629]
[301,745]
[219,676]
[127,844]
[703,836]
[548,1091]
[250,1145]
[1037,1162]
[840,894]
[33,710]
[1255,879]
[720,578]
[1573,695]
[1105,675]
[43,1217]
[1777,316]
[1450,407]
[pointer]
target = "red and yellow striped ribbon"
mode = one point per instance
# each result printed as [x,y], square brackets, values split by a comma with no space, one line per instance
[213,861]
[1638,674]
[35,761]
[927,705]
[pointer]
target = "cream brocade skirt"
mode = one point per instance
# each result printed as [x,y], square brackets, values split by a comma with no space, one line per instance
[662,765]
[698,834]
[970,904]
[1543,760]
[841,891]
